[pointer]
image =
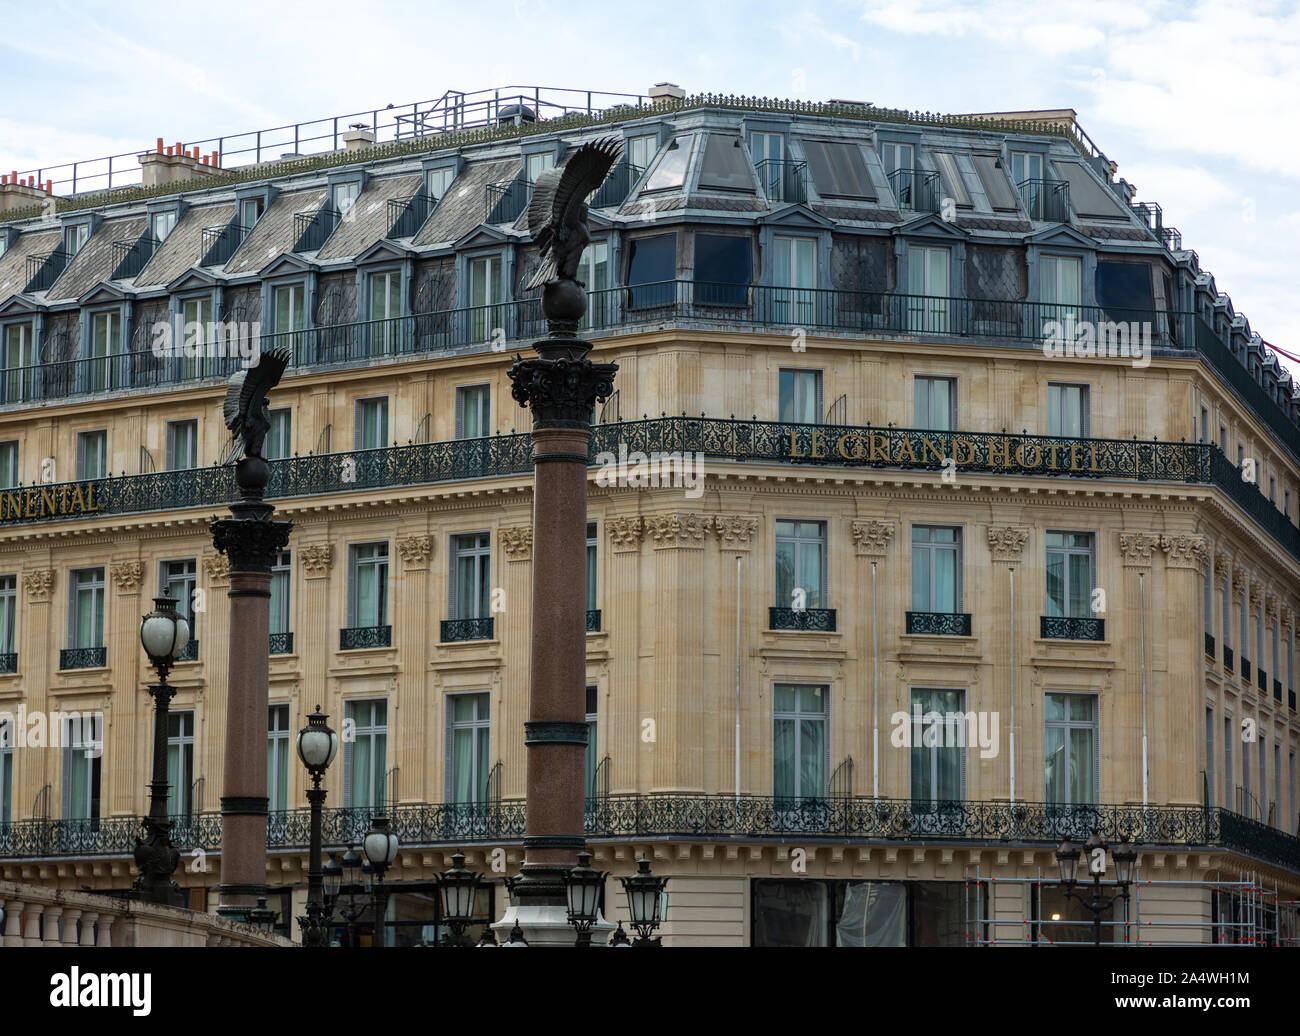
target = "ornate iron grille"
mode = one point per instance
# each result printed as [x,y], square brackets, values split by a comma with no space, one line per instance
[593,620]
[817,620]
[1046,201]
[1056,627]
[190,653]
[82,658]
[354,637]
[947,624]
[466,629]
[1227,658]
[407,215]
[312,229]
[1245,670]
[9,662]
[784,179]
[281,643]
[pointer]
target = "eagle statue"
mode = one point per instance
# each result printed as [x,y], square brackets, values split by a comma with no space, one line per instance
[557,213]
[246,408]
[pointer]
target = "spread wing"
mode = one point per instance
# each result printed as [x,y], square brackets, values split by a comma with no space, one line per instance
[559,194]
[249,386]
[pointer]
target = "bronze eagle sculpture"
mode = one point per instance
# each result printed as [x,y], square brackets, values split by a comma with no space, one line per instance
[246,408]
[557,213]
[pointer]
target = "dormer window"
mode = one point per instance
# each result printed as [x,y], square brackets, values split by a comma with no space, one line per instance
[670,173]
[438,181]
[343,196]
[250,211]
[535,165]
[641,150]
[1026,165]
[74,237]
[161,224]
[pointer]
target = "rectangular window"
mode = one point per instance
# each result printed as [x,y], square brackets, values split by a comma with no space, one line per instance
[651,270]
[1070,579]
[468,734]
[92,455]
[1026,165]
[1263,781]
[799,744]
[180,764]
[437,181]
[936,568]
[800,564]
[8,464]
[593,271]
[768,150]
[485,296]
[1067,410]
[938,751]
[279,439]
[368,585]
[592,762]
[1205,425]
[1228,732]
[591,566]
[535,165]
[724,167]
[250,211]
[19,357]
[670,171]
[1209,758]
[105,343]
[8,614]
[83,747]
[1245,803]
[177,580]
[794,280]
[1207,581]
[86,607]
[277,758]
[289,309]
[370,431]
[935,402]
[280,593]
[723,269]
[161,224]
[838,169]
[928,290]
[1070,749]
[343,196]
[74,238]
[799,396]
[1277,787]
[641,150]
[897,157]
[473,411]
[365,758]
[471,584]
[385,311]
[1060,281]
[6,771]
[182,445]
[195,337]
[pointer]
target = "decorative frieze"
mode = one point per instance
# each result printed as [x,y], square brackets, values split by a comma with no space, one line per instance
[1185,550]
[316,559]
[39,583]
[1007,543]
[735,530]
[415,550]
[127,576]
[678,529]
[871,536]
[1136,547]
[625,532]
[517,542]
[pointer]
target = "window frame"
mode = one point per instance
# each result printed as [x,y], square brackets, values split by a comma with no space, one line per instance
[1067,725]
[380,563]
[797,717]
[935,549]
[481,553]
[1066,587]
[800,544]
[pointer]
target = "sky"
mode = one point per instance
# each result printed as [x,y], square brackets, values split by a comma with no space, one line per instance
[1198,103]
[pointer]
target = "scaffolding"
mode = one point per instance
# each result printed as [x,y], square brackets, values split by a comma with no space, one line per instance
[1240,910]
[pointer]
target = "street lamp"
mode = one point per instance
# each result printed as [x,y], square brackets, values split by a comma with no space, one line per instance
[645,896]
[458,889]
[164,634]
[317,747]
[582,887]
[350,873]
[380,846]
[1094,853]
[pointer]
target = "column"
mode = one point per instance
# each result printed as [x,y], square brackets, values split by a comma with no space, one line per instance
[875,637]
[1135,658]
[411,596]
[517,546]
[34,771]
[1012,627]
[123,791]
[623,619]
[736,535]
[1183,738]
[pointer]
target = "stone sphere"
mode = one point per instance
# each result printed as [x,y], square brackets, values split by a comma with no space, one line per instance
[252,473]
[564,301]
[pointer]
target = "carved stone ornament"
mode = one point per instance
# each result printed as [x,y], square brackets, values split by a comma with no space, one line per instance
[1185,551]
[735,530]
[39,583]
[415,550]
[517,542]
[316,559]
[1136,547]
[1222,563]
[625,532]
[127,576]
[871,536]
[1007,543]
[217,569]
[671,530]
[251,544]
[1238,581]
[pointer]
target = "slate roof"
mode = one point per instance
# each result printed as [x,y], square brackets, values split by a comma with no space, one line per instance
[13,264]
[183,248]
[368,220]
[463,209]
[273,235]
[94,263]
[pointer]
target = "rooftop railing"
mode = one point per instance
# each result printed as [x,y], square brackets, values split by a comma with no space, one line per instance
[915,190]
[1046,201]
[691,817]
[784,180]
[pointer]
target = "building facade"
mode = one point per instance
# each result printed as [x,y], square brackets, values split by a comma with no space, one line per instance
[903,584]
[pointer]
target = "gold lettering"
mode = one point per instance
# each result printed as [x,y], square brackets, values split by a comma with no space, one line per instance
[1052,453]
[927,448]
[794,443]
[879,448]
[15,505]
[30,501]
[63,499]
[48,506]
[857,454]
[999,456]
[817,439]
[78,501]
[906,450]
[90,498]
[1020,455]
[1076,457]
[1092,457]
[970,455]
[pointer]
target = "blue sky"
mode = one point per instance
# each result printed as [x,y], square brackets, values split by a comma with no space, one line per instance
[1196,102]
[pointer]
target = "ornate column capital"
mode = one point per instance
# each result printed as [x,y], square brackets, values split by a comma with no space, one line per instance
[252,543]
[1136,548]
[1185,551]
[677,530]
[871,536]
[217,568]
[1238,581]
[562,386]
[735,530]
[415,550]
[1222,563]
[1007,543]
[1287,617]
[1256,596]
[39,583]
[625,532]
[517,542]
[316,559]
[127,576]
[1271,604]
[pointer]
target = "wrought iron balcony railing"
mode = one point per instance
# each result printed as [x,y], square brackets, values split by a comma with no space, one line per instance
[505,202]
[1227,658]
[190,653]
[43,270]
[916,190]
[466,629]
[130,257]
[593,620]
[312,229]
[815,620]
[784,180]
[1209,645]
[407,215]
[220,243]
[352,638]
[281,643]
[944,624]
[82,658]
[9,662]
[1046,201]
[617,186]
[699,817]
[1060,627]
[1277,690]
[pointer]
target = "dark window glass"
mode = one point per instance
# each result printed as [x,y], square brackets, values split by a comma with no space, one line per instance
[651,268]
[838,170]
[1124,291]
[725,168]
[722,270]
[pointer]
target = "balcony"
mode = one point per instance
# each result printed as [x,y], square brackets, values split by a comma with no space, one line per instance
[466,629]
[943,624]
[1227,658]
[130,257]
[312,229]
[783,180]
[407,215]
[915,190]
[281,644]
[220,243]
[82,658]
[9,662]
[190,653]
[505,202]
[1290,700]
[1059,627]
[617,186]
[1277,690]
[355,638]
[593,620]
[808,620]
[44,270]
[1046,201]
[1261,680]
[1245,669]
[1209,646]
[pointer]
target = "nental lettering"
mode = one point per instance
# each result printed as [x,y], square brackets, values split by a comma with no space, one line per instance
[33,504]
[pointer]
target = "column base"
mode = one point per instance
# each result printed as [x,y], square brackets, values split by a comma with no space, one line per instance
[548,925]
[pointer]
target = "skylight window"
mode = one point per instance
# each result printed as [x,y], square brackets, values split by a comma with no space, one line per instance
[670,172]
[725,168]
[838,170]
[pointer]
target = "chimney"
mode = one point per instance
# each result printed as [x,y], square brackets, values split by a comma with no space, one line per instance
[358,136]
[160,145]
[661,92]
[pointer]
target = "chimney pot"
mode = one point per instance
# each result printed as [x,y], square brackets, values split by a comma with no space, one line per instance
[160,145]
[49,186]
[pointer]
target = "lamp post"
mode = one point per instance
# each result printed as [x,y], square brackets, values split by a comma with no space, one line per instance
[380,846]
[1094,852]
[645,902]
[164,634]
[582,887]
[458,889]
[317,746]
[348,888]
